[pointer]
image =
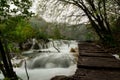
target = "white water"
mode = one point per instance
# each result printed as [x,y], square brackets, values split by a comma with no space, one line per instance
[48,65]
[116,56]
[45,74]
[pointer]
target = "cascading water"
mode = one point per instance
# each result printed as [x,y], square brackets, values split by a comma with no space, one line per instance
[51,60]
[44,65]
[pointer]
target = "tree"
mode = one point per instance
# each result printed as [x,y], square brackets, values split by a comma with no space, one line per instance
[10,8]
[118,2]
[97,13]
[56,11]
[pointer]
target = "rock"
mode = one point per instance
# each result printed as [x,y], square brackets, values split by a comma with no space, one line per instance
[36,46]
[62,77]
[72,50]
[75,53]
[27,46]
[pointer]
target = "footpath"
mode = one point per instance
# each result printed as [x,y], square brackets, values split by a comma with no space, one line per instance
[94,63]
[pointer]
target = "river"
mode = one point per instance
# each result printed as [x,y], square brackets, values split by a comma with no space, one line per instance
[43,64]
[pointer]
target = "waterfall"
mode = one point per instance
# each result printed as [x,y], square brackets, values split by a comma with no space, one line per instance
[44,65]
[51,60]
[34,41]
[39,44]
[49,57]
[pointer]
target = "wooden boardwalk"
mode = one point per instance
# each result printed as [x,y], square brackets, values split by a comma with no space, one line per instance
[94,64]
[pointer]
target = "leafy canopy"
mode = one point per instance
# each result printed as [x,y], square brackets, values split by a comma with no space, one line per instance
[13,20]
[14,7]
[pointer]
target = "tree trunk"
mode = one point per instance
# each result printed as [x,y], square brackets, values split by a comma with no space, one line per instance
[2,69]
[7,66]
[97,15]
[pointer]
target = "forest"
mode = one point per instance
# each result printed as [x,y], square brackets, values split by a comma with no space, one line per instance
[45,28]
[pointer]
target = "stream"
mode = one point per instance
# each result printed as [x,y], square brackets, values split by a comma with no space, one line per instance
[47,62]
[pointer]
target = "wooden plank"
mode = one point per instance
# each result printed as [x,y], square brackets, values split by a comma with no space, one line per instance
[98,62]
[89,45]
[90,48]
[92,51]
[105,55]
[95,51]
[91,74]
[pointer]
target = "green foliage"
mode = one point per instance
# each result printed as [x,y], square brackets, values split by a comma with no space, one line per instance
[8,29]
[7,79]
[89,36]
[23,31]
[115,25]
[60,30]
[41,35]
[13,48]
[109,41]
[17,30]
[57,34]
[45,29]
[21,7]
